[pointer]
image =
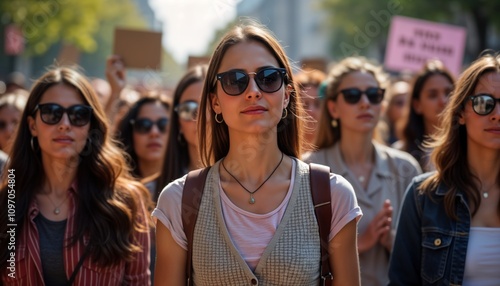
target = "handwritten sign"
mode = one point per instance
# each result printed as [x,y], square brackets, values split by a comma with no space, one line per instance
[413,42]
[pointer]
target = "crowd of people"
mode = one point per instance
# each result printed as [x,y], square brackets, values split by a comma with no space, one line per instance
[100,172]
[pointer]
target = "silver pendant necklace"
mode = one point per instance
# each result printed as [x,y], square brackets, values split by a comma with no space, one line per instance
[252,199]
[57,209]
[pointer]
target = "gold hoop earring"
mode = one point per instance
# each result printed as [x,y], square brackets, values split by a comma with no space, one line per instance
[285,113]
[334,123]
[221,118]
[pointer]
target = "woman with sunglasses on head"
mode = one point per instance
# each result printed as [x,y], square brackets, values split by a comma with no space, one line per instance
[378,173]
[449,226]
[429,97]
[256,222]
[182,150]
[79,217]
[143,133]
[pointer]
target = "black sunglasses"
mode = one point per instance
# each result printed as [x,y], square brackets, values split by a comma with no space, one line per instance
[353,95]
[483,104]
[235,82]
[188,110]
[51,113]
[144,125]
[5,124]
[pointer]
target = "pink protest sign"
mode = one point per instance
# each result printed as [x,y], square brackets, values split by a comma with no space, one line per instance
[412,42]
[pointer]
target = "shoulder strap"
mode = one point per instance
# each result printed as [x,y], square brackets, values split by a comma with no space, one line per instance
[78,266]
[320,191]
[191,199]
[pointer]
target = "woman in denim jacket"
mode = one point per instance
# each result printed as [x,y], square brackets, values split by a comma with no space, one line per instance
[449,227]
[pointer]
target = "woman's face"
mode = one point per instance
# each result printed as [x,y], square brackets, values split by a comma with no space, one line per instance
[9,118]
[361,116]
[483,131]
[252,111]
[61,141]
[150,145]
[433,98]
[189,99]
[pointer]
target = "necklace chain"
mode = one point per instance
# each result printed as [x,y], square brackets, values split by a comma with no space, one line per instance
[57,209]
[252,200]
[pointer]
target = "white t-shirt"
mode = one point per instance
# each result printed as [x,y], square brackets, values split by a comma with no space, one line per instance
[482,265]
[251,232]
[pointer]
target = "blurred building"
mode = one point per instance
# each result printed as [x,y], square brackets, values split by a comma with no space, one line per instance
[298,25]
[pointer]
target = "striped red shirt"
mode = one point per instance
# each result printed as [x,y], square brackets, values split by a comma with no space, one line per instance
[29,266]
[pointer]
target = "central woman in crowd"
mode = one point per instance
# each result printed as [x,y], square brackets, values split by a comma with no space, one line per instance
[256,222]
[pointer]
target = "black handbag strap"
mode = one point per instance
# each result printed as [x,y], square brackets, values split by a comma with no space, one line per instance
[191,199]
[78,266]
[320,191]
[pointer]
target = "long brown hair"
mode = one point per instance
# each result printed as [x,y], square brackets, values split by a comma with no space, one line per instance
[450,142]
[214,137]
[327,134]
[413,131]
[176,162]
[107,200]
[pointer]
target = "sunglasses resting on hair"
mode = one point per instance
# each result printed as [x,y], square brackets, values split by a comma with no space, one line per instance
[235,82]
[353,95]
[144,125]
[187,111]
[483,104]
[51,113]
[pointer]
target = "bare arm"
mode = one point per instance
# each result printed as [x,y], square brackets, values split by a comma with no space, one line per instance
[170,259]
[344,261]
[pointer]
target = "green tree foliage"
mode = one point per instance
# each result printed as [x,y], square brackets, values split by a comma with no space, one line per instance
[46,22]
[359,24]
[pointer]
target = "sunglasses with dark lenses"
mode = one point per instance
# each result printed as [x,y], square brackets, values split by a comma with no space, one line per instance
[187,111]
[5,124]
[144,125]
[51,113]
[483,104]
[353,95]
[235,82]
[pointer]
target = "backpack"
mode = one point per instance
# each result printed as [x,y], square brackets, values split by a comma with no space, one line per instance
[320,181]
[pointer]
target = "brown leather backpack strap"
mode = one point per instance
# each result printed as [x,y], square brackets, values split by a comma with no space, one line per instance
[191,199]
[320,191]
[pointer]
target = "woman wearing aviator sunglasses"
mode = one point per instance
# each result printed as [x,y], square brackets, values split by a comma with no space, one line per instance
[450,218]
[379,174]
[79,217]
[256,222]
[182,154]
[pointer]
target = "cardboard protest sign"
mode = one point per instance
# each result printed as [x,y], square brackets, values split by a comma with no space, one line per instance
[68,55]
[138,49]
[412,42]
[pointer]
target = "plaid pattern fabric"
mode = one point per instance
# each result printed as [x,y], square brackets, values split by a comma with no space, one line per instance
[291,258]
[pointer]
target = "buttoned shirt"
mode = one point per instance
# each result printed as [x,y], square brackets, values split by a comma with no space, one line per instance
[392,172]
[28,265]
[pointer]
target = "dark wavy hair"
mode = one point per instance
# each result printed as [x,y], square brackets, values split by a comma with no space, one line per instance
[125,132]
[413,131]
[107,199]
[450,142]
[214,137]
[177,158]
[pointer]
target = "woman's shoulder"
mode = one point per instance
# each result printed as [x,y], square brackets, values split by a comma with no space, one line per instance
[316,156]
[172,193]
[398,157]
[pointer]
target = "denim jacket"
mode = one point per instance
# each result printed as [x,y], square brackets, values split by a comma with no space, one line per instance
[430,248]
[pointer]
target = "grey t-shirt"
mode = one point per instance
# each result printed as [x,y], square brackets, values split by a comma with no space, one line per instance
[51,238]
